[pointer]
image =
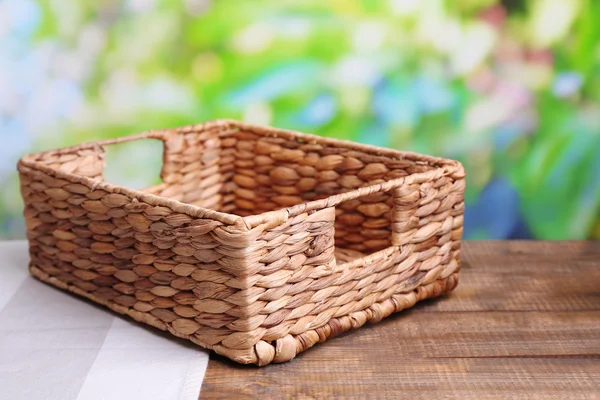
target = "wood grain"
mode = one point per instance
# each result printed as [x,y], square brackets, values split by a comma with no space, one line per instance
[524,323]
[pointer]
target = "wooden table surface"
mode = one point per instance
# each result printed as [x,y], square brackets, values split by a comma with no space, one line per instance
[524,323]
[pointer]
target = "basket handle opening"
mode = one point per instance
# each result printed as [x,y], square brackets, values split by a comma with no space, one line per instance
[135,164]
[400,217]
[421,216]
[407,194]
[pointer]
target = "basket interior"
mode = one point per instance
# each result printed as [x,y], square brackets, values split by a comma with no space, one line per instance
[244,173]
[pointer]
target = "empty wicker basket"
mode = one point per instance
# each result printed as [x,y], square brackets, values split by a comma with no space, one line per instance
[257,244]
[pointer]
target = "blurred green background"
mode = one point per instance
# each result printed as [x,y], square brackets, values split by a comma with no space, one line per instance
[511,88]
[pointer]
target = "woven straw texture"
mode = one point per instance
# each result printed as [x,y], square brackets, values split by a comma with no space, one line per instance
[257,244]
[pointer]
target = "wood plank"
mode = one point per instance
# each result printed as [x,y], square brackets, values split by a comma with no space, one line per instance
[523,323]
[457,378]
[481,334]
[499,352]
[525,276]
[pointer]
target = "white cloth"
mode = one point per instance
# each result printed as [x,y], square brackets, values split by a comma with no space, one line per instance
[54,345]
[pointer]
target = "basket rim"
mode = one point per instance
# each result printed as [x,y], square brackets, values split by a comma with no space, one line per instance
[441,167]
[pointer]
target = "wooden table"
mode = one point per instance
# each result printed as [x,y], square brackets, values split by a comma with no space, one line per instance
[523,323]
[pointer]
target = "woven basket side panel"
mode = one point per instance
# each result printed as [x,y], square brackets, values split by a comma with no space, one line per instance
[288,263]
[274,172]
[425,210]
[198,169]
[300,254]
[88,162]
[295,299]
[164,268]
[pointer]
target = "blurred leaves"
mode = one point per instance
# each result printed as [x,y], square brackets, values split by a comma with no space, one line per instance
[511,88]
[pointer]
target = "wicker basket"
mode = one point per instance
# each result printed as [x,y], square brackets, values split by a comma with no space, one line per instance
[257,244]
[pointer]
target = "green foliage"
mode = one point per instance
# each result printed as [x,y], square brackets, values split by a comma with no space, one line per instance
[482,81]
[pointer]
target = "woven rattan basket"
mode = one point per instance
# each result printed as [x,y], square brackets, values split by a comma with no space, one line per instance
[257,244]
